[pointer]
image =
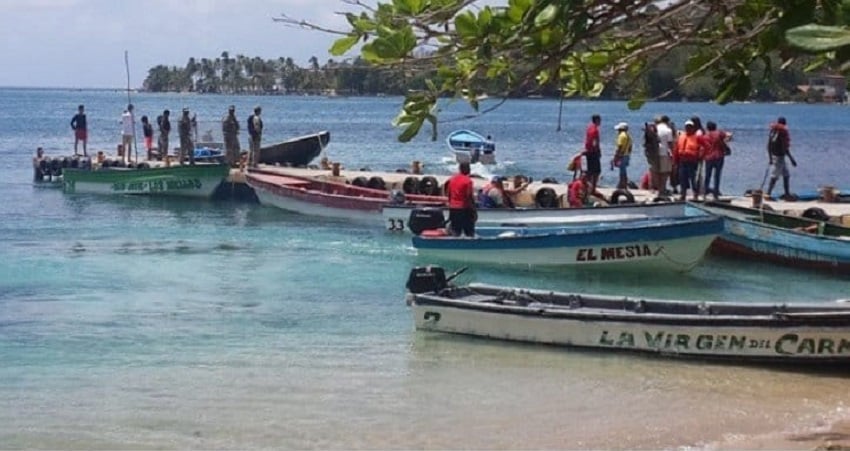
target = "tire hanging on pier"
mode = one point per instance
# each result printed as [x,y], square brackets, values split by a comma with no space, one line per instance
[410,185]
[376,183]
[429,186]
[546,198]
[360,181]
[628,197]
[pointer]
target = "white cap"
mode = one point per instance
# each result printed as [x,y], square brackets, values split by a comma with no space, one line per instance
[689,122]
[621,126]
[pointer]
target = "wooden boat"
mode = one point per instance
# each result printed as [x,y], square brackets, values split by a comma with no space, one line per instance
[792,332]
[199,180]
[407,217]
[780,238]
[325,198]
[298,151]
[676,244]
[471,147]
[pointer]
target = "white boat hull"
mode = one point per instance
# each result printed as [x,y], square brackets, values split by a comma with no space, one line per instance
[310,208]
[752,343]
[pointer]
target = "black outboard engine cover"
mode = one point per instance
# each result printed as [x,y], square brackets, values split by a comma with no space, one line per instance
[425,219]
[426,279]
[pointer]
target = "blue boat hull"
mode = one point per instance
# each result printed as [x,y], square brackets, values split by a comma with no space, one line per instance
[675,244]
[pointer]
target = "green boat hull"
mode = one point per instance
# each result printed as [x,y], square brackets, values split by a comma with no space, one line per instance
[185,181]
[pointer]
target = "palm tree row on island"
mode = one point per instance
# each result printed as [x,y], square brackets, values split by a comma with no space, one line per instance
[253,75]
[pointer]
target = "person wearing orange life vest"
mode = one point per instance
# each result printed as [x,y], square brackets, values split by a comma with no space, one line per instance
[577,192]
[690,149]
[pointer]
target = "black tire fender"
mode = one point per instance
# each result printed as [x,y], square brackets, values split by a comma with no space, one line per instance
[546,198]
[816,213]
[410,185]
[627,195]
[376,183]
[429,186]
[360,181]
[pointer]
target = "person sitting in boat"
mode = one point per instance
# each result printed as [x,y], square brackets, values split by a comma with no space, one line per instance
[577,191]
[493,194]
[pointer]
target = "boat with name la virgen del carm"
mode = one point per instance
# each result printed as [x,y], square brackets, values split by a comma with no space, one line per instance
[798,332]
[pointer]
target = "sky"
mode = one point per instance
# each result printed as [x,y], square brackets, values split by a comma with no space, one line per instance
[81,43]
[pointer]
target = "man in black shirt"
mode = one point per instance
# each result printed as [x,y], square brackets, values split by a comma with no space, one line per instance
[164,129]
[78,124]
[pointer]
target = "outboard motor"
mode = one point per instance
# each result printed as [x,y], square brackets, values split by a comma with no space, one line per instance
[426,279]
[425,219]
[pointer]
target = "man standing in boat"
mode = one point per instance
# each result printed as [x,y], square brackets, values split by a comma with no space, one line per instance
[461,193]
[78,124]
[230,130]
[184,129]
[255,130]
[164,129]
[128,132]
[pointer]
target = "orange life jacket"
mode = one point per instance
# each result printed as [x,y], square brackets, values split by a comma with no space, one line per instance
[688,147]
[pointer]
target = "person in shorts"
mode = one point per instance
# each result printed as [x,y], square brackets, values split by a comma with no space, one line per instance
[461,193]
[80,127]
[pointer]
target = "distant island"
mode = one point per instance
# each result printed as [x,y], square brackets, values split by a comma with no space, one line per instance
[240,74]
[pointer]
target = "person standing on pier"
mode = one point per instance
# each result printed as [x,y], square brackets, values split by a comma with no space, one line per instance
[164,129]
[78,124]
[147,132]
[255,130]
[623,154]
[593,152]
[230,130]
[778,147]
[128,132]
[184,129]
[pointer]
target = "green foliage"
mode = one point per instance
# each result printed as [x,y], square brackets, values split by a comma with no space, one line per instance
[592,48]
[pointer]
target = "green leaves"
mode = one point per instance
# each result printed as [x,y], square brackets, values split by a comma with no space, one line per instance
[818,38]
[390,46]
[342,45]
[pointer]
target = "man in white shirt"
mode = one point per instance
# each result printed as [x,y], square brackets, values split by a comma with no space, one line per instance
[128,131]
[661,173]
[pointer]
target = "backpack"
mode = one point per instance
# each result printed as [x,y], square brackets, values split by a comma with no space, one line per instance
[776,142]
[650,142]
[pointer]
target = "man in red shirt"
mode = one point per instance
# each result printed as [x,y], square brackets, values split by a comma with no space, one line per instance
[592,152]
[461,194]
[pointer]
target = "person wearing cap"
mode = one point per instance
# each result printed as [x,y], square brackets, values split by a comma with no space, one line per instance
[690,150]
[184,131]
[623,154]
[128,132]
[778,147]
[230,131]
[255,132]
[164,125]
[592,151]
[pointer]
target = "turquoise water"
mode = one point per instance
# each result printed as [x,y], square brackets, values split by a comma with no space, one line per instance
[156,323]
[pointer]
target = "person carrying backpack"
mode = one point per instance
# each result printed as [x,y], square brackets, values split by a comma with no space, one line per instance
[778,147]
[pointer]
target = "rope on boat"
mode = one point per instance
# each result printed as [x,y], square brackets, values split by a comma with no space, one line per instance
[686,265]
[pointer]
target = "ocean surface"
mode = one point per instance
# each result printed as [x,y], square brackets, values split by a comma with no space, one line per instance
[144,323]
